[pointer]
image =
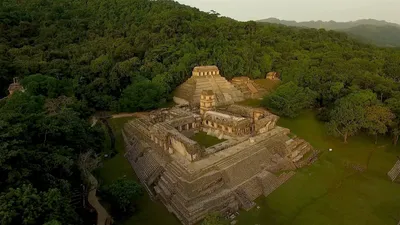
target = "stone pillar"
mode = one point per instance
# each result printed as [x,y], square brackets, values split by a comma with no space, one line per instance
[187,127]
[180,128]
[268,125]
[193,125]
[273,124]
[230,129]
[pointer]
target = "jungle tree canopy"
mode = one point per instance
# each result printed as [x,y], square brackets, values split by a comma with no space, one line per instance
[103,46]
[73,55]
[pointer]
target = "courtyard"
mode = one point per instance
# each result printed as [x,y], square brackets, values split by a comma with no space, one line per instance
[206,140]
[331,191]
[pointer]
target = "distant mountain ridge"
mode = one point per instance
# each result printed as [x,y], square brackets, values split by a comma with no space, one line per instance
[379,32]
[330,25]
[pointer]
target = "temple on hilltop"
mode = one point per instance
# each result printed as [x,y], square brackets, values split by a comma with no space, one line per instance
[207,78]
[191,180]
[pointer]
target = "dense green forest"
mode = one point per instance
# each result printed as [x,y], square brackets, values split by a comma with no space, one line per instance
[372,31]
[75,56]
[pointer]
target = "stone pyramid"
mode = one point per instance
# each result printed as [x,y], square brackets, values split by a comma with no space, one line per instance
[207,78]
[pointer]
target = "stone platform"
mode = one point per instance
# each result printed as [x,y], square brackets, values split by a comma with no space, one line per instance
[223,178]
[192,180]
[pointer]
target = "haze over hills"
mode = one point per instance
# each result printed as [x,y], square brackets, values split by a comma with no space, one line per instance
[377,32]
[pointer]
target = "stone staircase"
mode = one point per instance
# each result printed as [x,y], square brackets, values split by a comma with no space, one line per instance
[219,85]
[271,182]
[244,200]
[297,149]
[254,148]
[155,175]
[395,171]
[243,88]
[176,170]
[227,87]
[253,188]
[192,212]
[186,90]
[148,170]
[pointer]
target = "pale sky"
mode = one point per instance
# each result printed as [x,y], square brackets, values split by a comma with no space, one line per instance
[302,10]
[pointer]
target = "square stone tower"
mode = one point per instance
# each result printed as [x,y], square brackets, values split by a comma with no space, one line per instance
[207,101]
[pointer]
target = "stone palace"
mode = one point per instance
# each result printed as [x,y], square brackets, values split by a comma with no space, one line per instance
[190,180]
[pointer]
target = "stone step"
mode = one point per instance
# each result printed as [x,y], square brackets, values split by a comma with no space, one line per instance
[200,209]
[155,175]
[269,182]
[169,177]
[241,154]
[253,188]
[244,200]
[164,189]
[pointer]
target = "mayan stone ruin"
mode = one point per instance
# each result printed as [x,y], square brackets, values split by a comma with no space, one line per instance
[190,180]
[207,78]
[14,86]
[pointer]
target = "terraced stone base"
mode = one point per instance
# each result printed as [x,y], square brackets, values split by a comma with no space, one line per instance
[220,182]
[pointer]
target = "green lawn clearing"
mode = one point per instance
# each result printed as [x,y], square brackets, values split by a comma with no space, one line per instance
[267,84]
[330,191]
[206,140]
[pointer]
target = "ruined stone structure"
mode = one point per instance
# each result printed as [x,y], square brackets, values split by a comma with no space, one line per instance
[394,172]
[207,101]
[273,76]
[248,87]
[191,180]
[207,78]
[15,86]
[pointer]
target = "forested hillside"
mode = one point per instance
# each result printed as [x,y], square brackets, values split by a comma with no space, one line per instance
[103,47]
[76,55]
[372,31]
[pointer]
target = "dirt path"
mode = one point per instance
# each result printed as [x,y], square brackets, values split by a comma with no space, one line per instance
[103,218]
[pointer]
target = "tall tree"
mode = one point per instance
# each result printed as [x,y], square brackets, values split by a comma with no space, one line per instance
[123,193]
[350,114]
[378,120]
[394,105]
[289,99]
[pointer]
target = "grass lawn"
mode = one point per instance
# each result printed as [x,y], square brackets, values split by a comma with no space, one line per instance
[149,212]
[206,140]
[267,84]
[328,192]
[251,102]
